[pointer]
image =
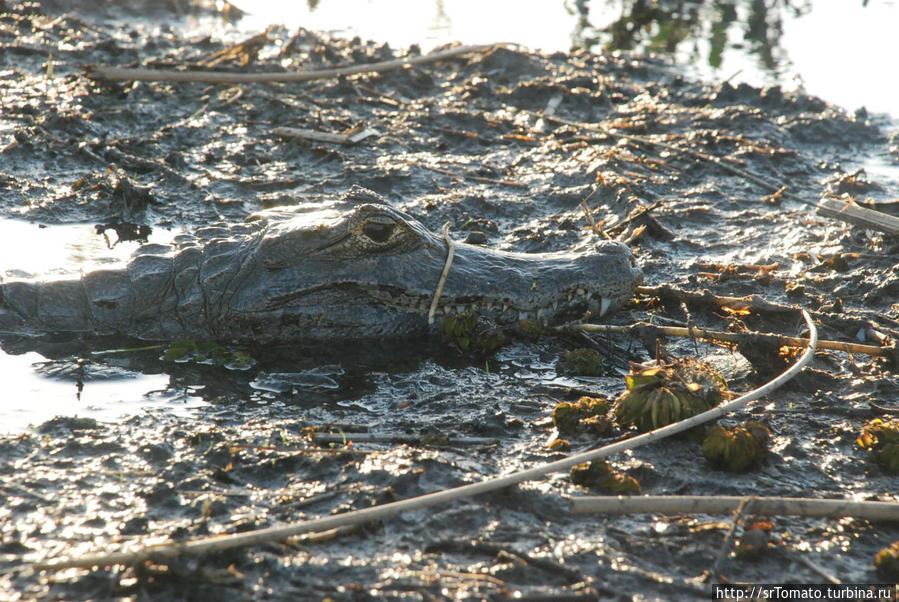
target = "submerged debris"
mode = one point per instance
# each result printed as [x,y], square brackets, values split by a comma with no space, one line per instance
[755,540]
[209,353]
[581,362]
[664,394]
[469,332]
[586,414]
[600,474]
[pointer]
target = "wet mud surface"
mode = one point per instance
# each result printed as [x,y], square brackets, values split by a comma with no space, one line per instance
[459,141]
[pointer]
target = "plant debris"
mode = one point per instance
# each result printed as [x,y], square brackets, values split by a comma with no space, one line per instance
[587,414]
[581,362]
[600,474]
[881,439]
[658,395]
[737,449]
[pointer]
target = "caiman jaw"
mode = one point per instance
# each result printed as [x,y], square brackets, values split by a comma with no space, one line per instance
[572,303]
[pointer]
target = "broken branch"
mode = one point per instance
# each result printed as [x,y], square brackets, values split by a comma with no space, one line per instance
[727,504]
[727,337]
[105,72]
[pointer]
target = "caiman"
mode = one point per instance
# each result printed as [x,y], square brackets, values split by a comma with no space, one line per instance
[355,269]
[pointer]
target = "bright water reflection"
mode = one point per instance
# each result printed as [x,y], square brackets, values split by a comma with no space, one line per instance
[29,397]
[31,248]
[839,51]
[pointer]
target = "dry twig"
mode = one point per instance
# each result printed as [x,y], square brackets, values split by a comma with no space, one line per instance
[727,337]
[105,72]
[728,504]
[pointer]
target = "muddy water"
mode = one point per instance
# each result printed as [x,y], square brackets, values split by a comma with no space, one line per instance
[224,450]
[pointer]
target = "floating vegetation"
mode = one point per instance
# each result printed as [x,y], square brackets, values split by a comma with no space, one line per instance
[581,362]
[664,394]
[601,475]
[586,414]
[887,562]
[881,439]
[737,449]
[468,332]
[212,354]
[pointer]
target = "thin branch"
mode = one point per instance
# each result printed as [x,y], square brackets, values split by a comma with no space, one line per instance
[727,337]
[724,552]
[413,439]
[352,137]
[105,72]
[751,302]
[728,504]
[470,176]
[162,552]
[450,251]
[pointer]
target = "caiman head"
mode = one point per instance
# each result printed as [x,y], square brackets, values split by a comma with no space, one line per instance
[372,271]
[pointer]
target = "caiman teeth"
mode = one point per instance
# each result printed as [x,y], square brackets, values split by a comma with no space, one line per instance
[604,305]
[572,303]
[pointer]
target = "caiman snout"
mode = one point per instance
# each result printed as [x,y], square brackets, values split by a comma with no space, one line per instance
[551,288]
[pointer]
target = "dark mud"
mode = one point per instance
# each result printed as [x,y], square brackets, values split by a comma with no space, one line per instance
[458,141]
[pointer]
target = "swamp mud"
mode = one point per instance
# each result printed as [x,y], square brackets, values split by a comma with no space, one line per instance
[516,150]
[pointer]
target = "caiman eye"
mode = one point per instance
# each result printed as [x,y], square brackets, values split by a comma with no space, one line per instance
[379,232]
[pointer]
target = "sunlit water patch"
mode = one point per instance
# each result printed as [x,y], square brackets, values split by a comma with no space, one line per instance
[30,248]
[36,389]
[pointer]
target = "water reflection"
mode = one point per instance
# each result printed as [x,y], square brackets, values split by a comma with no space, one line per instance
[72,248]
[698,32]
[836,50]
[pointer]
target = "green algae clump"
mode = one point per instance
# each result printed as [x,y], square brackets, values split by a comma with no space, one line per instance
[737,449]
[881,439]
[601,475]
[587,413]
[886,562]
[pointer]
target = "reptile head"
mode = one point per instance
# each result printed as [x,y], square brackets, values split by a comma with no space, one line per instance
[372,271]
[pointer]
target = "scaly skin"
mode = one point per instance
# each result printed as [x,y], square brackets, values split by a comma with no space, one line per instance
[317,274]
